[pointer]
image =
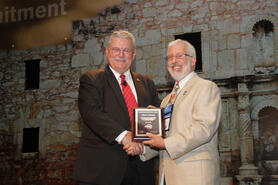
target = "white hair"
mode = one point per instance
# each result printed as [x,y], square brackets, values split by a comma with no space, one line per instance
[186,44]
[124,35]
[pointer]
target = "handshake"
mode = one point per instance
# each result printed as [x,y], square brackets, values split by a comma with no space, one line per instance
[131,147]
[156,141]
[136,148]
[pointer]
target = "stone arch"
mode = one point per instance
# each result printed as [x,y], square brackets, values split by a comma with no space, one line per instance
[249,31]
[255,115]
[260,106]
[253,21]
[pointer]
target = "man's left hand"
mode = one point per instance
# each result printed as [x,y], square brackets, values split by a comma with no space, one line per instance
[156,141]
[133,148]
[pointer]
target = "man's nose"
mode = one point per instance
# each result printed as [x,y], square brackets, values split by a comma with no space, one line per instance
[173,60]
[121,53]
[170,62]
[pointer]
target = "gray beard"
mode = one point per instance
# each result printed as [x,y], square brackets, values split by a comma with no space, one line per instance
[177,76]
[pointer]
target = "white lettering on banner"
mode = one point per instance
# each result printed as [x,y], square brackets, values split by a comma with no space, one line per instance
[11,14]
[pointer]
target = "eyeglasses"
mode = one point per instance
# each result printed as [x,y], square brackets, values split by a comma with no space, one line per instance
[117,51]
[178,57]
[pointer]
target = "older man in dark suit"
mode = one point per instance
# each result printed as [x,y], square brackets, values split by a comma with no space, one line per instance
[106,98]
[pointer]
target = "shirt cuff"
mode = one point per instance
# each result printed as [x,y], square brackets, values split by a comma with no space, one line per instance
[121,136]
[142,155]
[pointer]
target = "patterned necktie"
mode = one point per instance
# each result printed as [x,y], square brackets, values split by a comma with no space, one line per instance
[129,96]
[174,93]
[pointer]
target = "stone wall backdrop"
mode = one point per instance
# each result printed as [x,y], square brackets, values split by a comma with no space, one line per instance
[237,46]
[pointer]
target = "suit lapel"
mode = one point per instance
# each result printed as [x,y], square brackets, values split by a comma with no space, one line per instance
[139,88]
[166,100]
[115,88]
[185,90]
[183,93]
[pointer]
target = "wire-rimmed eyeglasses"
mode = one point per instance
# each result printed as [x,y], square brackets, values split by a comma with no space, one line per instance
[117,51]
[179,57]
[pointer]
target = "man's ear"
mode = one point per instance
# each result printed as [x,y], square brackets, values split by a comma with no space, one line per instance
[106,51]
[134,54]
[193,63]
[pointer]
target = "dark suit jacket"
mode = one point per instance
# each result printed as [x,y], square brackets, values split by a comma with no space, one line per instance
[101,103]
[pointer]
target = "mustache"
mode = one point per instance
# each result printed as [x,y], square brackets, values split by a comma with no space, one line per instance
[120,59]
[175,65]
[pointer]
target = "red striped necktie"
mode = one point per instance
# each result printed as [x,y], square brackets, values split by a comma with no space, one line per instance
[129,96]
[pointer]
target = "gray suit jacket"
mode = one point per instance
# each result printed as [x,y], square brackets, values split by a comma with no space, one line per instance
[193,131]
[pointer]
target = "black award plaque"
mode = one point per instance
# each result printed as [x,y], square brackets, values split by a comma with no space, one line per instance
[147,120]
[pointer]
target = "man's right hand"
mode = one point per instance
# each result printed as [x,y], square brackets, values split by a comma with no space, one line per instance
[127,139]
[131,148]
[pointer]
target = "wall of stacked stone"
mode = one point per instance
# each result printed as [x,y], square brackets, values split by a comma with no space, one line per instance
[52,108]
[227,43]
[226,29]
[228,49]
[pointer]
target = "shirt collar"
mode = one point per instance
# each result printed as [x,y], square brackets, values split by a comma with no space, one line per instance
[183,81]
[117,75]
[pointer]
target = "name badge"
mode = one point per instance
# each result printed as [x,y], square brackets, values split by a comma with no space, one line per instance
[168,111]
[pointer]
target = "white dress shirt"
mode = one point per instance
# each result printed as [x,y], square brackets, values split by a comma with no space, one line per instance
[183,81]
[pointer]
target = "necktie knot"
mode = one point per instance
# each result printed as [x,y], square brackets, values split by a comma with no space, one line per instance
[123,82]
[176,87]
[122,77]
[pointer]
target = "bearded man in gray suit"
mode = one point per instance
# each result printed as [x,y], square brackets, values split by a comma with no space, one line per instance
[189,153]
